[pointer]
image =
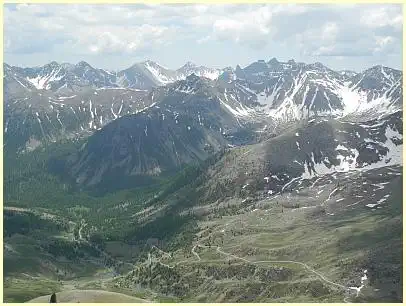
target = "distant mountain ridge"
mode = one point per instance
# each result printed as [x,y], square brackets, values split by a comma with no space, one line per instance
[68,77]
[59,101]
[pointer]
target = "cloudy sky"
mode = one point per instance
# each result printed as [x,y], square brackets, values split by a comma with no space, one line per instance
[114,37]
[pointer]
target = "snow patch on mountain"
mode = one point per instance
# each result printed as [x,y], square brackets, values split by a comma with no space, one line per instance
[348,162]
[395,152]
[158,73]
[190,68]
[237,111]
[42,81]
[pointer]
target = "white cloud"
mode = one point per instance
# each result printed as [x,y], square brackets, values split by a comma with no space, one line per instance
[252,27]
[358,30]
[382,17]
[82,29]
[310,29]
[107,40]
[329,31]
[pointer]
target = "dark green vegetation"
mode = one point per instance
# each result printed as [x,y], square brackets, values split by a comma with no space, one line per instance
[210,232]
[39,250]
[56,233]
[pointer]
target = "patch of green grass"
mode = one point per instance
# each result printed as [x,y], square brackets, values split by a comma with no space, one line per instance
[18,290]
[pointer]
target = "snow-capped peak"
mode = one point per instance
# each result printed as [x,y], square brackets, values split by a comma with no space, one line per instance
[83,64]
[189,65]
[151,63]
[191,68]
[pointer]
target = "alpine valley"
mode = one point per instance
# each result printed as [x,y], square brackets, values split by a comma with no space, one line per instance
[276,182]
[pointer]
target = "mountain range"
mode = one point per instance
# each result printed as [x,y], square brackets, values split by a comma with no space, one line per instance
[278,181]
[214,108]
[65,77]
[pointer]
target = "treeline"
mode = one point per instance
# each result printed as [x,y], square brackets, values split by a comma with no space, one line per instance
[71,250]
[24,223]
[176,231]
[36,179]
[29,181]
[191,175]
[177,195]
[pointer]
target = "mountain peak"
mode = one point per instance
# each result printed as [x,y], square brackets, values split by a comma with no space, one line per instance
[150,63]
[319,65]
[52,64]
[377,69]
[273,61]
[83,64]
[188,65]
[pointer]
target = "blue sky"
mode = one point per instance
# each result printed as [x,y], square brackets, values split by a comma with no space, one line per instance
[341,36]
